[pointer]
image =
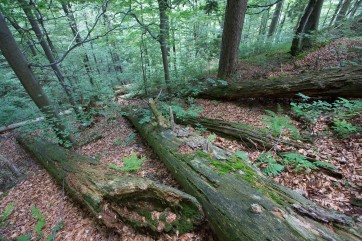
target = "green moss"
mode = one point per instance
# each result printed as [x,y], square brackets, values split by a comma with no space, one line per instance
[275,198]
[189,214]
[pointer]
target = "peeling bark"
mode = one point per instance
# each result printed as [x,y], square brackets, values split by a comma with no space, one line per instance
[115,198]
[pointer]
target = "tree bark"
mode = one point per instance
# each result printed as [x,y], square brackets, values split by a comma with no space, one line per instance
[19,64]
[48,52]
[233,25]
[356,5]
[343,11]
[243,205]
[341,82]
[308,23]
[78,39]
[336,12]
[163,39]
[114,198]
[275,19]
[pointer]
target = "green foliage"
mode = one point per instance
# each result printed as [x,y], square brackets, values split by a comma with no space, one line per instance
[131,163]
[299,162]
[41,221]
[273,168]
[180,111]
[277,124]
[242,155]
[55,229]
[341,110]
[343,128]
[211,137]
[26,237]
[7,211]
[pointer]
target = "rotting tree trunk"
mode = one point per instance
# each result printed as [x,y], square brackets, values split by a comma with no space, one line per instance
[243,205]
[113,198]
[341,82]
[250,136]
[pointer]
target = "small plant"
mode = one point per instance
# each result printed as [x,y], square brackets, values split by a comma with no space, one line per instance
[131,163]
[55,229]
[211,137]
[242,155]
[7,211]
[277,124]
[343,128]
[273,168]
[298,162]
[41,221]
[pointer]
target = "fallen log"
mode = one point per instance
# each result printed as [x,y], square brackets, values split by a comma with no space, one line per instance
[339,82]
[251,136]
[115,198]
[243,205]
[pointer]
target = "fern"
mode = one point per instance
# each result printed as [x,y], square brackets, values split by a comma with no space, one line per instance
[41,221]
[55,229]
[130,164]
[7,211]
[26,237]
[273,168]
[242,155]
[324,164]
[277,124]
[298,162]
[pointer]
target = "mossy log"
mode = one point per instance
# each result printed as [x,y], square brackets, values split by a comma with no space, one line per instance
[242,205]
[115,198]
[251,136]
[339,82]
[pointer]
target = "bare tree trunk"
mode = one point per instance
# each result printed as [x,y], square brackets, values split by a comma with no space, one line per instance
[308,24]
[343,11]
[355,8]
[281,25]
[22,33]
[78,38]
[48,53]
[19,64]
[163,38]
[336,12]
[234,21]
[275,19]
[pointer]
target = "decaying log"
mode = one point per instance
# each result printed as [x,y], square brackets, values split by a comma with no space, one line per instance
[115,198]
[252,136]
[242,205]
[12,167]
[339,82]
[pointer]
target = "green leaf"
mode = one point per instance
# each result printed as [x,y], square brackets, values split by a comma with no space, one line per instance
[7,211]
[242,155]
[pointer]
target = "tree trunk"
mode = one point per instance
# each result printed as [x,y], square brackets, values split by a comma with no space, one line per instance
[18,63]
[343,11]
[17,27]
[114,198]
[356,5]
[242,205]
[48,53]
[275,19]
[308,23]
[281,25]
[336,12]
[163,39]
[341,82]
[233,25]
[78,38]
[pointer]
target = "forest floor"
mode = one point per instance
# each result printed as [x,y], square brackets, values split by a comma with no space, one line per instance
[120,139]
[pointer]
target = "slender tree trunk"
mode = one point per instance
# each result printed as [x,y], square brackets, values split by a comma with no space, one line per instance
[308,24]
[343,11]
[275,19]
[329,9]
[78,38]
[48,53]
[163,38]
[19,64]
[22,33]
[356,6]
[336,12]
[234,21]
[281,25]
